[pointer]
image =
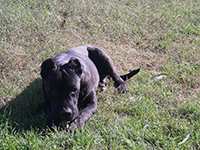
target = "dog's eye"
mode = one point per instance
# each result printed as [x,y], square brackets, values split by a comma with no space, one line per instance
[74,89]
[53,92]
[73,92]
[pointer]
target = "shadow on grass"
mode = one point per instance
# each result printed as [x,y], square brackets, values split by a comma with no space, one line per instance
[25,110]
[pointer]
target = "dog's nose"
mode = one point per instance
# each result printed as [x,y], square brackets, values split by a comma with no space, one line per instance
[65,113]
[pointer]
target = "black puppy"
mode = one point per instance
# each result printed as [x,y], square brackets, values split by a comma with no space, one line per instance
[70,81]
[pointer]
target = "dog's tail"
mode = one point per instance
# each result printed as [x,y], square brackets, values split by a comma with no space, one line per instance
[130,74]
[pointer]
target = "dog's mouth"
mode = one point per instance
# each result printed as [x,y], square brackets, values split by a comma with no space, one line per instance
[66,123]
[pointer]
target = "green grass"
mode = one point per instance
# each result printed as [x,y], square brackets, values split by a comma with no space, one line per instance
[161,37]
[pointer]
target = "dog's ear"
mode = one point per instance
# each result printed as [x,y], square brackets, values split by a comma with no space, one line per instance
[75,65]
[46,67]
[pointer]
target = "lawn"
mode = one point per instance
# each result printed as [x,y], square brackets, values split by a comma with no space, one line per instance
[161,37]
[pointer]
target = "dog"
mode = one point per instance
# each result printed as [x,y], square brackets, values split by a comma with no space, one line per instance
[69,84]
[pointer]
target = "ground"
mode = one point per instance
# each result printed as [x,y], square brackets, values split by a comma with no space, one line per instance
[162,106]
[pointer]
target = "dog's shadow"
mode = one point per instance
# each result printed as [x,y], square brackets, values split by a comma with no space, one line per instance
[24,112]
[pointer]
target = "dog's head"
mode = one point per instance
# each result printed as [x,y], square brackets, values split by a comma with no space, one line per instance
[61,84]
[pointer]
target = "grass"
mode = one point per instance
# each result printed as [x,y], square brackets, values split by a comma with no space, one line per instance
[161,37]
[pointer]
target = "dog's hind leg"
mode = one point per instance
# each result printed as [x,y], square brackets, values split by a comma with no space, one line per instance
[105,67]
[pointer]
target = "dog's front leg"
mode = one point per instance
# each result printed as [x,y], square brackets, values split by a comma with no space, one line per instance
[47,111]
[89,106]
[50,117]
[47,108]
